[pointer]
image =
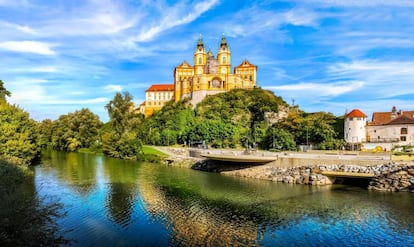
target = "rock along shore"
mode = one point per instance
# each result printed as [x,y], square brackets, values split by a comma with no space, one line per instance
[391,176]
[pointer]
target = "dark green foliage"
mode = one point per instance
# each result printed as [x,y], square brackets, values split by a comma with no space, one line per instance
[221,120]
[18,138]
[312,128]
[119,136]
[279,139]
[173,124]
[45,133]
[235,118]
[73,131]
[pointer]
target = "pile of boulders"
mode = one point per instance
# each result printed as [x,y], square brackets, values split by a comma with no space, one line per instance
[394,178]
[388,177]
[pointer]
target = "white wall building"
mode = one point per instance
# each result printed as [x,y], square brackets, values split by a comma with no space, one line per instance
[354,126]
[385,129]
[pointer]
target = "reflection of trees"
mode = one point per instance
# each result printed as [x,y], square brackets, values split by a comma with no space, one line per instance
[202,210]
[194,221]
[122,178]
[120,202]
[26,219]
[77,170]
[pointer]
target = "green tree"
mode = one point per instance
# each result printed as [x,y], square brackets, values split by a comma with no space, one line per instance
[18,139]
[45,133]
[279,139]
[75,130]
[171,125]
[3,92]
[120,140]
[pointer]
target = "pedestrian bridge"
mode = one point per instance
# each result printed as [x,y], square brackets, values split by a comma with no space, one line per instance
[240,158]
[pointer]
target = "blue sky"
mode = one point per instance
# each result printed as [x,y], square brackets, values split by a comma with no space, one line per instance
[328,55]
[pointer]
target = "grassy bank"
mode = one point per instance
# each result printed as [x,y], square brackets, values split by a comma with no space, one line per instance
[151,155]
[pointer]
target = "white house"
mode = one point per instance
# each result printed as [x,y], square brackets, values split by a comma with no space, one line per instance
[355,126]
[382,132]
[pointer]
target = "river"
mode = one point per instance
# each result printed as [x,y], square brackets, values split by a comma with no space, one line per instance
[111,202]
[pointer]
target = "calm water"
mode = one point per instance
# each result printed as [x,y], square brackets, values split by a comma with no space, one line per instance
[110,202]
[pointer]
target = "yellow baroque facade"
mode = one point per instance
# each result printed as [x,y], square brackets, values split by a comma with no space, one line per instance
[211,75]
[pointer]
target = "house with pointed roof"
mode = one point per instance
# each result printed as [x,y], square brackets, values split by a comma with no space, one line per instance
[391,127]
[156,96]
[384,130]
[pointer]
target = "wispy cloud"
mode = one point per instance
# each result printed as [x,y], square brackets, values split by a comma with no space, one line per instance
[175,16]
[16,27]
[320,89]
[116,88]
[361,3]
[14,3]
[383,78]
[35,47]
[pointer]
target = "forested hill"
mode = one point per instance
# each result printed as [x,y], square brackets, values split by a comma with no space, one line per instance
[230,119]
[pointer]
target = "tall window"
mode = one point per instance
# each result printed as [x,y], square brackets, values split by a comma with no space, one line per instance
[404,131]
[224,59]
[200,60]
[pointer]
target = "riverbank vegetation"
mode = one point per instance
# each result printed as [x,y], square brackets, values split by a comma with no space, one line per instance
[25,219]
[241,118]
[236,119]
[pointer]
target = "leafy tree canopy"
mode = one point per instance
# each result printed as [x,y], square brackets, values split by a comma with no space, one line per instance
[18,139]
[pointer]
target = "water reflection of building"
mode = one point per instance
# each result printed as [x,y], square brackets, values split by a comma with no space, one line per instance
[193,223]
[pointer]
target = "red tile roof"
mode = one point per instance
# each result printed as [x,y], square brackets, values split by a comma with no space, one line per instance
[356,113]
[403,119]
[381,118]
[160,87]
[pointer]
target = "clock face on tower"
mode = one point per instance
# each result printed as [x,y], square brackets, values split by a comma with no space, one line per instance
[215,83]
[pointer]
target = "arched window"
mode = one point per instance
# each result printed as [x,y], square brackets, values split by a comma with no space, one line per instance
[200,60]
[224,59]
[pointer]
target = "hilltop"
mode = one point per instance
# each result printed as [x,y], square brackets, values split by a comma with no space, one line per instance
[238,118]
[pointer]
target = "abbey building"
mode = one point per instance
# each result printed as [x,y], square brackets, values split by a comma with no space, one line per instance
[209,75]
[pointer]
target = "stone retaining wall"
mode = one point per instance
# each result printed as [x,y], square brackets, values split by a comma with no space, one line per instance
[388,177]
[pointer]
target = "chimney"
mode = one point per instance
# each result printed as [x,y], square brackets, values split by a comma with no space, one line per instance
[393,112]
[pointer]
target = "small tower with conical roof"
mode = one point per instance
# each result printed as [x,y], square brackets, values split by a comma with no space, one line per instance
[200,57]
[223,57]
[354,126]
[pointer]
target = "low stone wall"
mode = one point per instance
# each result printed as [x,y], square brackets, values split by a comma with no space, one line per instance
[388,177]
[286,161]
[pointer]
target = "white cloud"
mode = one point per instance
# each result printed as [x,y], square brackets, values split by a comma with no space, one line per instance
[361,3]
[25,29]
[301,17]
[116,88]
[178,15]
[35,47]
[321,89]
[383,78]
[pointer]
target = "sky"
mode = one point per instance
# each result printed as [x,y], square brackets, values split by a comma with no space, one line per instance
[61,56]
